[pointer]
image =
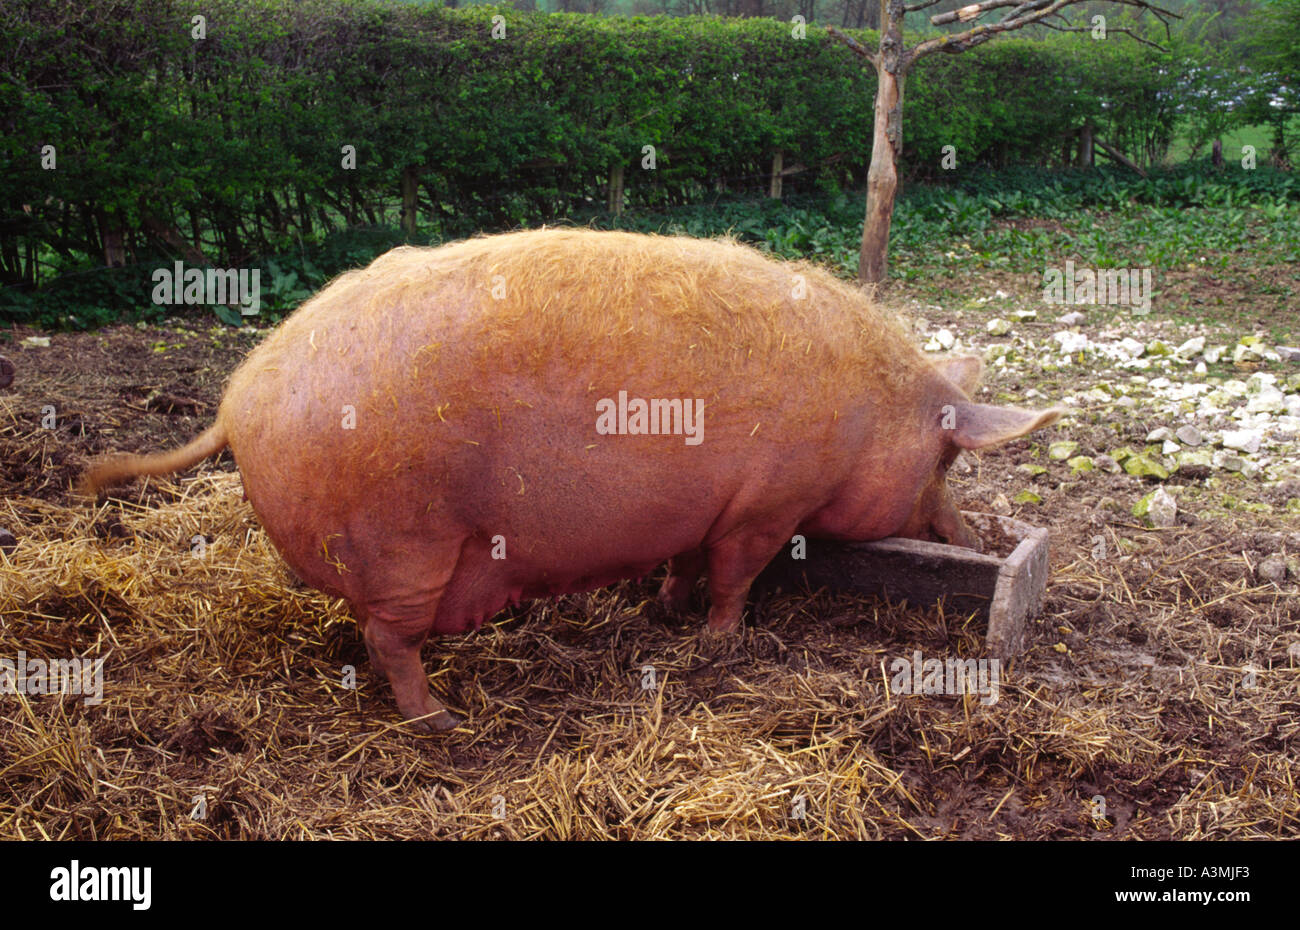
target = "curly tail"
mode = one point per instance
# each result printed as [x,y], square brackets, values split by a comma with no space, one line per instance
[115,469]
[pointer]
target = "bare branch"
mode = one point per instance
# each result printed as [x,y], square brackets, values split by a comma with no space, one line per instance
[913,7]
[855,46]
[1109,29]
[967,13]
[1016,12]
[1036,11]
[1119,156]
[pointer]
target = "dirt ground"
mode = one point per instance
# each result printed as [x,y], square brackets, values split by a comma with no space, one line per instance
[1163,676]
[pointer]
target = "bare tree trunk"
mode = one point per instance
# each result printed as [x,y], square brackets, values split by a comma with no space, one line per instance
[304,214]
[886,146]
[114,239]
[892,62]
[410,199]
[1216,153]
[616,189]
[774,189]
[168,233]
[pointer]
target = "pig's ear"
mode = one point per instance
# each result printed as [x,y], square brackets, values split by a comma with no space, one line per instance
[962,370]
[978,426]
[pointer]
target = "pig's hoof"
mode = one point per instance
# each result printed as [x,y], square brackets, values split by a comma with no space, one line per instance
[714,643]
[661,611]
[442,720]
[445,720]
[731,625]
[675,599]
[664,604]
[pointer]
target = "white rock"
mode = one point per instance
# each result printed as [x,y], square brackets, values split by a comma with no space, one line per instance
[998,326]
[1071,342]
[941,341]
[1163,508]
[1188,435]
[1213,355]
[1169,448]
[1287,353]
[39,342]
[1200,368]
[1247,440]
[1131,347]
[1227,460]
[1023,315]
[1191,348]
[1268,400]
[1241,353]
[1073,318]
[1161,434]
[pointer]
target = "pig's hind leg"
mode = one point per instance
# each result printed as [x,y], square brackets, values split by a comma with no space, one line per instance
[396,618]
[395,652]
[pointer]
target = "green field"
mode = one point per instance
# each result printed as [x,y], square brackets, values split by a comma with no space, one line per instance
[1261,137]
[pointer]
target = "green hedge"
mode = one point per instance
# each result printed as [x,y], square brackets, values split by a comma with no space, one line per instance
[233,143]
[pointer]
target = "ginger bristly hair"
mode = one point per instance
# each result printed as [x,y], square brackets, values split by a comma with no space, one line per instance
[707,310]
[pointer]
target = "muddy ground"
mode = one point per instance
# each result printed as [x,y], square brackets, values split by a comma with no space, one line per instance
[1159,698]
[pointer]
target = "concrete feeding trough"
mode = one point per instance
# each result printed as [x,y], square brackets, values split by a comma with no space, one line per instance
[1007,589]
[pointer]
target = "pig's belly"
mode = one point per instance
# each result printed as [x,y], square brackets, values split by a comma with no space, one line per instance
[572,518]
[482,586]
[476,593]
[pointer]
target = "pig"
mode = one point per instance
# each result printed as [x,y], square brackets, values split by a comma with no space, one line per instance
[454,429]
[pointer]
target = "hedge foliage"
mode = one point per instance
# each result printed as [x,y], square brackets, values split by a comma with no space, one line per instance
[233,143]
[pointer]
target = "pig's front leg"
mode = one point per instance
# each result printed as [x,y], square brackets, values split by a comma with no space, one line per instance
[734,563]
